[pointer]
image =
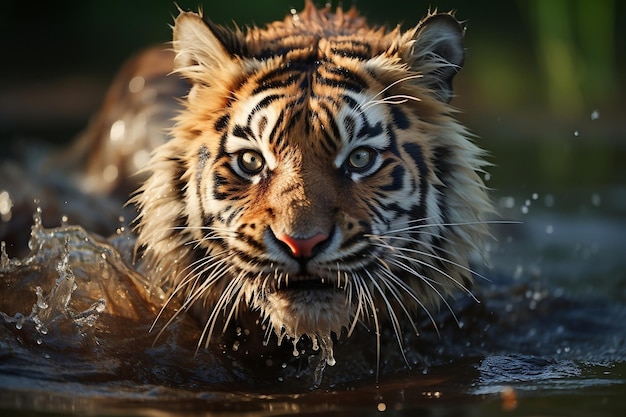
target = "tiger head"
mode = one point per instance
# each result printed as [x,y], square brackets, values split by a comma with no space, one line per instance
[316,175]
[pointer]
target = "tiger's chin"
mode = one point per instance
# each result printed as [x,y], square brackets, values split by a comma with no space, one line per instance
[315,312]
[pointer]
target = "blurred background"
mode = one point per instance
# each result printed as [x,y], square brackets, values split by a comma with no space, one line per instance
[542,77]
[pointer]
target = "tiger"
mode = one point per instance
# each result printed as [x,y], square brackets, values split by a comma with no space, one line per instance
[316,178]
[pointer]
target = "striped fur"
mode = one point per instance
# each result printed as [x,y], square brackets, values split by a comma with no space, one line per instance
[318,125]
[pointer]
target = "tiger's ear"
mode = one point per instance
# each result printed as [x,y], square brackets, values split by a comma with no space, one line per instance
[202,47]
[437,53]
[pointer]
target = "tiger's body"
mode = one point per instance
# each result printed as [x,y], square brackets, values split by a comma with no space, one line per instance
[315,178]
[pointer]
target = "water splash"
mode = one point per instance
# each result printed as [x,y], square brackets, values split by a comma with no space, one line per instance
[326,357]
[55,305]
[68,280]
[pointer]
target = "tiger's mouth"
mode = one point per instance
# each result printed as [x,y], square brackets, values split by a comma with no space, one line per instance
[307,283]
[314,284]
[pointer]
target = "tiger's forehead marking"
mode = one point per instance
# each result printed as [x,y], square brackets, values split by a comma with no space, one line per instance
[346,122]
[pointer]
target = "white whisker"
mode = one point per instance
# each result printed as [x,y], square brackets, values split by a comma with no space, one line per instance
[433,256]
[427,281]
[397,328]
[411,293]
[365,297]
[393,84]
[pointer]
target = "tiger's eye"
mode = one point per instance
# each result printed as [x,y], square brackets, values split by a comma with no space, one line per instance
[251,162]
[360,158]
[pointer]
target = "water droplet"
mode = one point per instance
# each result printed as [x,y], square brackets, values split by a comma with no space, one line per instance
[19,320]
[576,133]
[118,128]
[136,84]
[294,15]
[381,407]
[487,176]
[535,196]
[110,173]
[549,229]
[6,205]
[5,262]
[595,115]
[524,209]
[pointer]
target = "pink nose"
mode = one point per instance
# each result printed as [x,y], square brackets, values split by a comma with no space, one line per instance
[302,247]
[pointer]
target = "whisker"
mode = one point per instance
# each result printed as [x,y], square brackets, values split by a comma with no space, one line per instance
[390,282]
[433,256]
[393,84]
[193,297]
[428,282]
[393,100]
[411,293]
[369,301]
[225,297]
[191,276]
[397,328]
[439,270]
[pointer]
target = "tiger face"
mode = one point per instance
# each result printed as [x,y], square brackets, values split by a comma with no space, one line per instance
[316,175]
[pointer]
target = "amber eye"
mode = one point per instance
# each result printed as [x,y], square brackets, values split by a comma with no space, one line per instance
[361,158]
[251,162]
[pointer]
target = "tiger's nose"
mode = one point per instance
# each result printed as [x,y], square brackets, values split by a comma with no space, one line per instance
[302,248]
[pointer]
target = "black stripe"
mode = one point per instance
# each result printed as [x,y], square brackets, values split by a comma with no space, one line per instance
[414,150]
[347,74]
[276,83]
[369,131]
[265,103]
[208,219]
[222,123]
[276,129]
[243,132]
[221,153]
[342,84]
[399,118]
[218,182]
[350,126]
[397,176]
[331,121]
[351,53]
[232,216]
[350,101]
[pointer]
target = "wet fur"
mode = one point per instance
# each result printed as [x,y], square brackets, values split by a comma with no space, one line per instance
[400,236]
